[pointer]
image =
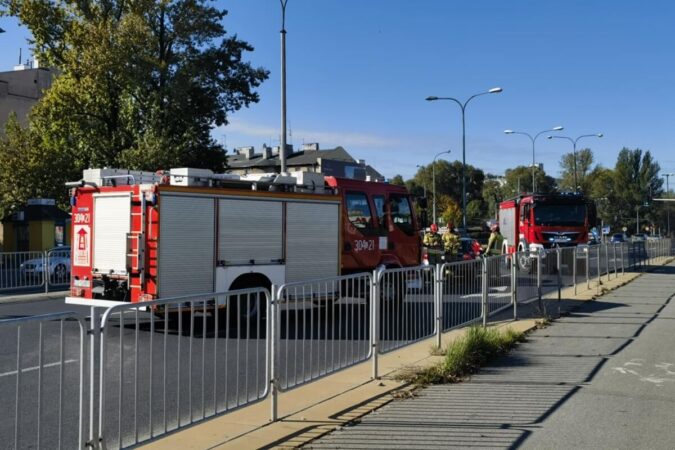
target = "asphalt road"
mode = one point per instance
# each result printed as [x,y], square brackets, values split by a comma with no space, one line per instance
[600,377]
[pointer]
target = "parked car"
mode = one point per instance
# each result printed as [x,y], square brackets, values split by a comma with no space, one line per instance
[58,265]
[639,237]
[617,238]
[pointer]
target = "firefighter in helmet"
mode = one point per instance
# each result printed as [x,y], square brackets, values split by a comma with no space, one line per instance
[432,238]
[450,241]
[494,245]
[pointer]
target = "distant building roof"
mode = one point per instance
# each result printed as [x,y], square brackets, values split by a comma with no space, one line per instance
[37,212]
[310,155]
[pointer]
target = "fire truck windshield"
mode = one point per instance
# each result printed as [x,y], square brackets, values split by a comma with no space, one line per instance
[559,215]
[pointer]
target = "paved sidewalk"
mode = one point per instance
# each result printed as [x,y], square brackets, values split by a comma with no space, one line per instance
[601,376]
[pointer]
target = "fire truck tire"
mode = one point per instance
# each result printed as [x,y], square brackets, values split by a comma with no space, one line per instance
[250,307]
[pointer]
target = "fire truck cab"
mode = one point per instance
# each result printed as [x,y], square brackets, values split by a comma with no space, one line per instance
[140,236]
[532,222]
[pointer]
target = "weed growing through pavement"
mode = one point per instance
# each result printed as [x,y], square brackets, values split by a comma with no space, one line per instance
[466,355]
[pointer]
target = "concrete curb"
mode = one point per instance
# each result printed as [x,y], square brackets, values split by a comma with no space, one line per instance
[35,297]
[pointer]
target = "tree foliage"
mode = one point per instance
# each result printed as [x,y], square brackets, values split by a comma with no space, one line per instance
[519,180]
[140,84]
[636,183]
[584,163]
[26,171]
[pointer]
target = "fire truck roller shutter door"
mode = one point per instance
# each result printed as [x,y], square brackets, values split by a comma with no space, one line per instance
[186,241]
[249,230]
[112,222]
[312,240]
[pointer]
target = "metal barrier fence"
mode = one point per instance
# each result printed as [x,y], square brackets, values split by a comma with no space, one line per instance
[497,284]
[163,365]
[58,268]
[461,293]
[20,270]
[169,363]
[322,326]
[33,270]
[406,308]
[45,389]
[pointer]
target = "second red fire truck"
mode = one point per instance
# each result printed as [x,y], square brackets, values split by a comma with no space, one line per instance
[531,222]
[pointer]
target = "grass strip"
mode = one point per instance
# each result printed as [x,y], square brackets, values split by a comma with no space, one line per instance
[466,355]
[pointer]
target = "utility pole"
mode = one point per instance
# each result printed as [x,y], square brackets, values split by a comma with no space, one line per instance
[282,146]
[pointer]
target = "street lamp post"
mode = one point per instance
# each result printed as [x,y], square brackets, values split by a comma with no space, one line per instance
[533,139]
[574,151]
[668,175]
[462,106]
[433,179]
[282,146]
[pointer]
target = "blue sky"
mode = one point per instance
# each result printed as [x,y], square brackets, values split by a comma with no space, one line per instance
[359,71]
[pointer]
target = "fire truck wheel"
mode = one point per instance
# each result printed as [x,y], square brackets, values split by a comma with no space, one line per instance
[247,308]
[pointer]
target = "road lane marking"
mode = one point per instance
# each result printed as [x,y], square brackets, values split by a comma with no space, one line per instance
[30,369]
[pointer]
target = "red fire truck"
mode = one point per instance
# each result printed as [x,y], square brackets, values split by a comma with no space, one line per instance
[140,236]
[536,221]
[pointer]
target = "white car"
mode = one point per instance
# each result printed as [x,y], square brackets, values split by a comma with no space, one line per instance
[58,262]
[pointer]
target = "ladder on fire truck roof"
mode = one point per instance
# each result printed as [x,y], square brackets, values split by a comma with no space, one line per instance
[298,181]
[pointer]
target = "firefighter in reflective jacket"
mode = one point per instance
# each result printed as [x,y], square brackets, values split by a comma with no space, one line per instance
[450,241]
[494,246]
[432,238]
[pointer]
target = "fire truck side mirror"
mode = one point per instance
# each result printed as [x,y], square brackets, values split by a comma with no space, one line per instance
[422,202]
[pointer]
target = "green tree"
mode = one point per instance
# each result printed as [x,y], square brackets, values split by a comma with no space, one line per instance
[450,211]
[140,84]
[584,163]
[26,171]
[636,183]
[492,194]
[519,180]
[601,191]
[397,180]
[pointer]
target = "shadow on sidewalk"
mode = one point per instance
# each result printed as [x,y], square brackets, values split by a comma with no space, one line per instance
[503,404]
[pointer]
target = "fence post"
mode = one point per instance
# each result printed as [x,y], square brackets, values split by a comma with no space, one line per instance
[541,302]
[438,302]
[484,292]
[588,268]
[574,270]
[616,272]
[95,440]
[45,271]
[514,286]
[375,321]
[272,356]
[558,262]
[607,259]
[623,262]
[599,271]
